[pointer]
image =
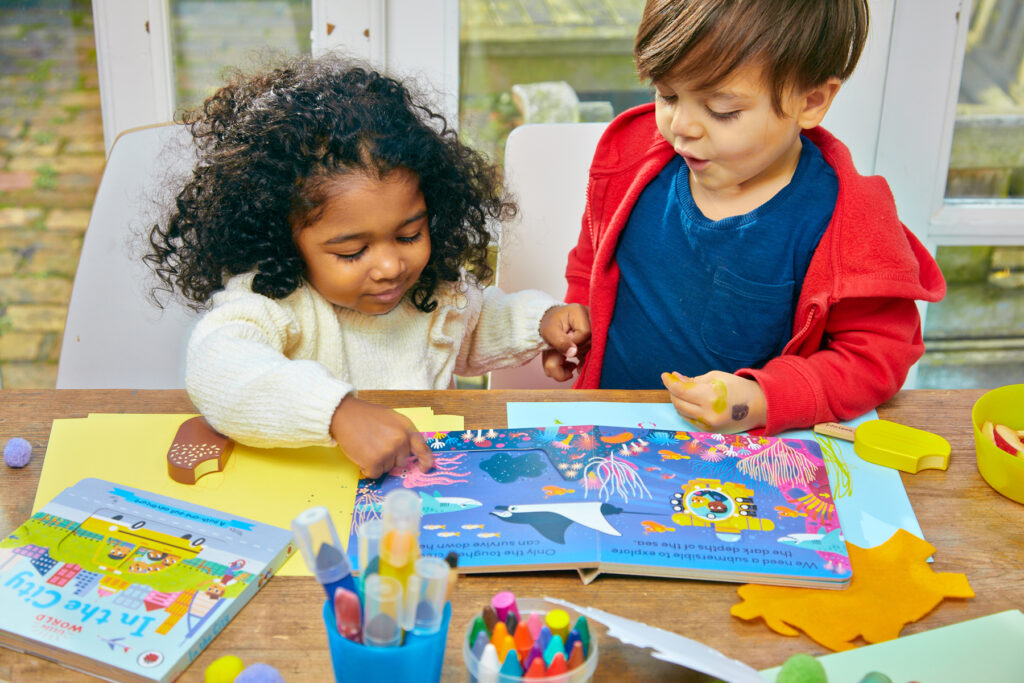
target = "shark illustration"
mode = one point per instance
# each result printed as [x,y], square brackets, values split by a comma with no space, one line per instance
[552,519]
[433,504]
[832,542]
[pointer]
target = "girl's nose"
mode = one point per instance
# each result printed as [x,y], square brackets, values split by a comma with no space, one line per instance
[388,265]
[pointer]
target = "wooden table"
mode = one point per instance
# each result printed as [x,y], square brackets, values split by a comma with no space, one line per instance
[975,530]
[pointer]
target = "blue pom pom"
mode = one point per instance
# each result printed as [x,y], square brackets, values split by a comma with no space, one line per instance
[17,452]
[259,673]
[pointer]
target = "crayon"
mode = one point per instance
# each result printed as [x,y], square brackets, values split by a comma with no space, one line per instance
[557,666]
[581,627]
[576,655]
[554,647]
[536,669]
[504,603]
[499,634]
[490,665]
[490,618]
[523,640]
[510,666]
[558,621]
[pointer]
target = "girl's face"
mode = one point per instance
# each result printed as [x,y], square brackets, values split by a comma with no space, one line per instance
[370,243]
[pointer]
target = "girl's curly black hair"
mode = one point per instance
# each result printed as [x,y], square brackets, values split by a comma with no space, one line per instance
[267,142]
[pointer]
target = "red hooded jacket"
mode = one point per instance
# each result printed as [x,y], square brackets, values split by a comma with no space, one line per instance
[856,330]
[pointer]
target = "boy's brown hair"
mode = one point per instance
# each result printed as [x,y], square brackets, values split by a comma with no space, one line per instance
[799,43]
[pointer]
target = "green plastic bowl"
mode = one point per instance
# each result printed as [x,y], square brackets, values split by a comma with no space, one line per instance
[1003,472]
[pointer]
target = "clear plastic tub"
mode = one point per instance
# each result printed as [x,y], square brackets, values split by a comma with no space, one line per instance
[580,674]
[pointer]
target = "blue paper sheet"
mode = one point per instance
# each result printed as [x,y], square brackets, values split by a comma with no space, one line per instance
[870,499]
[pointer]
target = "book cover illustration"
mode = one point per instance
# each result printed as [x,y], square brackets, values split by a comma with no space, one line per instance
[128,584]
[641,501]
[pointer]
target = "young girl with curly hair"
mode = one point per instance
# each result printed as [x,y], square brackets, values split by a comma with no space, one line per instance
[337,230]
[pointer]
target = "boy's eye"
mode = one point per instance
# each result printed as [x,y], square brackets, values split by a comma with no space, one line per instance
[667,99]
[409,239]
[724,115]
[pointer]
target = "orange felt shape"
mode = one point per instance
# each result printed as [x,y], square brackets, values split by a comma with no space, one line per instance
[892,585]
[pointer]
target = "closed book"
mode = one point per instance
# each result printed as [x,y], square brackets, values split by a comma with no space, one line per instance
[129,585]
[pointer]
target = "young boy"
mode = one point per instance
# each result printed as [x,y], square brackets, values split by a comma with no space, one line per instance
[729,239]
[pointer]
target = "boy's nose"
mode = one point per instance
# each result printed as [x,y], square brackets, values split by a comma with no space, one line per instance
[685,125]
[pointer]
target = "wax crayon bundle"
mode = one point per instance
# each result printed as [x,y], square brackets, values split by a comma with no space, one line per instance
[508,642]
[398,590]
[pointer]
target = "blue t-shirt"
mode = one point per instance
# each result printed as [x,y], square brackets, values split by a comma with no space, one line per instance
[697,295]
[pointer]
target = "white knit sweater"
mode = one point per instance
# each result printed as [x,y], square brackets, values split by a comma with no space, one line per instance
[270,373]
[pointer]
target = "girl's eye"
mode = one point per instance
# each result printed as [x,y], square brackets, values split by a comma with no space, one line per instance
[724,115]
[411,238]
[667,99]
[351,257]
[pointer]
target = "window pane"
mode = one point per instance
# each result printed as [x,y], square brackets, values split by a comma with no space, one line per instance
[534,61]
[975,336]
[208,36]
[988,141]
[51,160]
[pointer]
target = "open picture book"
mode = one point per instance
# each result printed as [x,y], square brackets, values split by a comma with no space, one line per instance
[129,585]
[600,499]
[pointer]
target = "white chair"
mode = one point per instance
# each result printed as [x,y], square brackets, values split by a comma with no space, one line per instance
[546,169]
[115,337]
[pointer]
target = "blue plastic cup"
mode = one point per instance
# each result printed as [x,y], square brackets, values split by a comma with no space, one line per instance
[418,658]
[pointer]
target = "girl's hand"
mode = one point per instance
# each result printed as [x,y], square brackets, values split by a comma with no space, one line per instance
[718,401]
[567,330]
[377,439]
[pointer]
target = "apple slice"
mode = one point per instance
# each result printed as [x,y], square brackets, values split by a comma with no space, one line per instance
[1007,439]
[988,431]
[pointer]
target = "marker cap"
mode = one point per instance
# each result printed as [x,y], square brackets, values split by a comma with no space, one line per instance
[382,605]
[402,509]
[428,588]
[369,535]
[320,546]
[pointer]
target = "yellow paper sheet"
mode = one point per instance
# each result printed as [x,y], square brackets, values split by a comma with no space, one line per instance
[270,486]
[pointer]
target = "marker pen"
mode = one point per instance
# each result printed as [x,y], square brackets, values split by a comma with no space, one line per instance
[382,604]
[322,550]
[399,546]
[369,535]
[452,559]
[426,596]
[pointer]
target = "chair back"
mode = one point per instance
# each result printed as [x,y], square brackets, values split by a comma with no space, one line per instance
[546,168]
[115,337]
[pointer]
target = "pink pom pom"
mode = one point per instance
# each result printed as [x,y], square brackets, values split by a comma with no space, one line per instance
[17,452]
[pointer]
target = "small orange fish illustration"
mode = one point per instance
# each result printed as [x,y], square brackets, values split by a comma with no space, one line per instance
[448,534]
[488,534]
[656,527]
[788,512]
[670,475]
[433,527]
[472,526]
[652,469]
[556,490]
[672,455]
[618,438]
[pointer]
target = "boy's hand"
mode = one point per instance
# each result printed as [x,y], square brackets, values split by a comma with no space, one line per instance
[567,330]
[717,401]
[376,438]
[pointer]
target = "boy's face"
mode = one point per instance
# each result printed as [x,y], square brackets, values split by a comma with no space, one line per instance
[370,243]
[734,143]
